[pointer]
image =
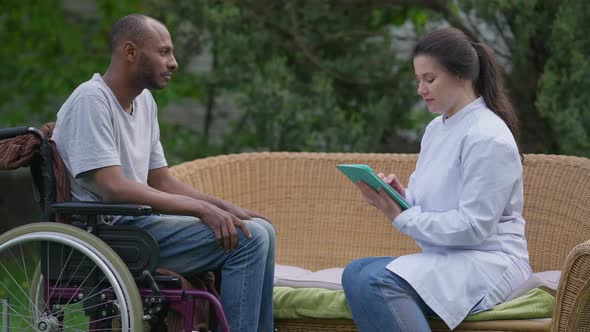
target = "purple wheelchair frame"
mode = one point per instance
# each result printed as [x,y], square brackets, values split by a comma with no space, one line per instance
[180,300]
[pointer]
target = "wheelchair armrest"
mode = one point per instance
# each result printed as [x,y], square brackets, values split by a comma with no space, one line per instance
[97,208]
[13,132]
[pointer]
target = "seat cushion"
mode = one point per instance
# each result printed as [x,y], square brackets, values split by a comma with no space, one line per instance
[297,277]
[296,303]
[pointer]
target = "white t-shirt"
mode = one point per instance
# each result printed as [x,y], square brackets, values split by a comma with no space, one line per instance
[93,131]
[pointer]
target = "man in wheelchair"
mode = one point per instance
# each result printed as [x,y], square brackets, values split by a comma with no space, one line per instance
[108,136]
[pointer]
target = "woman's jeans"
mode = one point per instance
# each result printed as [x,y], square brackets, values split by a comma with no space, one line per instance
[380,300]
[247,273]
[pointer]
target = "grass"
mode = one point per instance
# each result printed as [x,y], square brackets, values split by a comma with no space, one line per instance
[14,286]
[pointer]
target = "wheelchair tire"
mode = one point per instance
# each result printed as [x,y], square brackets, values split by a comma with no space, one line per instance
[106,293]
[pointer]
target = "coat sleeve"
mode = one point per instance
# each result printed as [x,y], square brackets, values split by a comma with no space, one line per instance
[409,195]
[491,169]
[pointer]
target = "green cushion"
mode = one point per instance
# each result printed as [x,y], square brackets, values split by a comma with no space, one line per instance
[294,303]
[536,303]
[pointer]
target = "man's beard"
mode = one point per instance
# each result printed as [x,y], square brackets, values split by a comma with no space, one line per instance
[146,75]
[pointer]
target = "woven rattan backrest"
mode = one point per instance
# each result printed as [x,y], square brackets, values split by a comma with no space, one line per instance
[322,220]
[557,207]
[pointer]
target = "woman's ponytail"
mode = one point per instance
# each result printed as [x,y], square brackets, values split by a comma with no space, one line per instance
[490,85]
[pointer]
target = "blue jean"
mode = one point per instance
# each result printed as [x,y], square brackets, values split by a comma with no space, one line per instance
[247,273]
[380,300]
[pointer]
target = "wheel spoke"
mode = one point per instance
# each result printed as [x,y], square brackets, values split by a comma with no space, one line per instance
[10,292]
[60,272]
[98,273]
[19,315]
[80,287]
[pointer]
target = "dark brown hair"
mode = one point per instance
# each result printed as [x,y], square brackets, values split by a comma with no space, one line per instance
[461,56]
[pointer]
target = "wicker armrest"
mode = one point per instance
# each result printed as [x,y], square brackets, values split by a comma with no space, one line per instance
[572,309]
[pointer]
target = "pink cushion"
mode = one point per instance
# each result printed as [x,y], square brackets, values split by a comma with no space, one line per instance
[546,280]
[296,277]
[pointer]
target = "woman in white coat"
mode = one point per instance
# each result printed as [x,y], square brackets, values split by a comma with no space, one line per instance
[466,196]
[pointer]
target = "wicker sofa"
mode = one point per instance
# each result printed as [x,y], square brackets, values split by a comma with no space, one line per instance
[322,221]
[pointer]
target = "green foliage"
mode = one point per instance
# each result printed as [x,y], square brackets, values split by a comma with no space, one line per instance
[302,75]
[545,54]
[566,80]
[47,51]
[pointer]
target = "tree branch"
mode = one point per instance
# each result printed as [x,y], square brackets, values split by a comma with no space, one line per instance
[502,34]
[293,34]
[438,6]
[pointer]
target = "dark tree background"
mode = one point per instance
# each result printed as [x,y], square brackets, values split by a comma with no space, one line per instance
[332,75]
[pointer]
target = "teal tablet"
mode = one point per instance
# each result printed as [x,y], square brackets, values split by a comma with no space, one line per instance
[360,172]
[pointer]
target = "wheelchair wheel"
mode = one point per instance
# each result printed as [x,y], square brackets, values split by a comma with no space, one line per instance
[36,294]
[56,277]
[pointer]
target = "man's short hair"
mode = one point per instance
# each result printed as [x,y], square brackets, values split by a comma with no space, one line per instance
[131,27]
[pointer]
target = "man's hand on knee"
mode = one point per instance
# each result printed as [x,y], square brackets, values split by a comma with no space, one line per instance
[223,224]
[244,214]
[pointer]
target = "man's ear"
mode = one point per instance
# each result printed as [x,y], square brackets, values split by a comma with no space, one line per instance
[130,51]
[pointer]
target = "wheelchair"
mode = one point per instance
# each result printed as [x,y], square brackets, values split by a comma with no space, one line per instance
[87,275]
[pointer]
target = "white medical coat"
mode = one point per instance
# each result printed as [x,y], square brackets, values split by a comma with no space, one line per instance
[467,197]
